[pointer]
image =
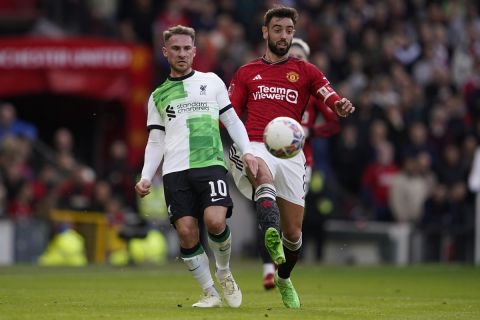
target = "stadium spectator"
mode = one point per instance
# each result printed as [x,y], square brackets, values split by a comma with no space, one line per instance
[348,159]
[418,141]
[73,17]
[447,225]
[10,125]
[14,166]
[45,186]
[66,157]
[119,173]
[101,196]
[63,142]
[451,169]
[136,21]
[437,127]
[43,25]
[21,206]
[409,191]
[357,79]
[102,13]
[433,223]
[461,224]
[377,134]
[76,191]
[371,51]
[377,181]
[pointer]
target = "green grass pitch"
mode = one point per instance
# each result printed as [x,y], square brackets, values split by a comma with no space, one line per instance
[167,292]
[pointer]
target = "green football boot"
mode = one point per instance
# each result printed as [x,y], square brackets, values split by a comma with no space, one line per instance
[274,246]
[289,295]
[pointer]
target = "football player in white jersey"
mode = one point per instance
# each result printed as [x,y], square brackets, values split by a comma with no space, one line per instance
[183,122]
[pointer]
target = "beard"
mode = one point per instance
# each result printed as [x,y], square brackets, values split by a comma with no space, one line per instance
[181,69]
[278,51]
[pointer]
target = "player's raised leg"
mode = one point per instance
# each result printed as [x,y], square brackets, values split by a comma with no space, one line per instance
[268,214]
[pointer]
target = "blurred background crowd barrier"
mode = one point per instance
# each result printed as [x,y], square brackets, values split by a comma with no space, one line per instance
[397,185]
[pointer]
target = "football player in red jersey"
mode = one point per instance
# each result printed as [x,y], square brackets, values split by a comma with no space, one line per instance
[269,87]
[329,127]
[272,86]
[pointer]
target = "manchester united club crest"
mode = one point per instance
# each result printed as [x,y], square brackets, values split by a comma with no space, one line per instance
[292,76]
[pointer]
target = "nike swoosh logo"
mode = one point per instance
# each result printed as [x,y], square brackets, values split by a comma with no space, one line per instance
[224,249]
[194,268]
[217,199]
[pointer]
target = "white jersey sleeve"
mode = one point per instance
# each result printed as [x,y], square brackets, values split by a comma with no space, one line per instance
[155,145]
[153,153]
[153,116]
[236,129]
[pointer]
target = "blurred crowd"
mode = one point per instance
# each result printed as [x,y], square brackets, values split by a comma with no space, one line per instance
[412,68]
[38,176]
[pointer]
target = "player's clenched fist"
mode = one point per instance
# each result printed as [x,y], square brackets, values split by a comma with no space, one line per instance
[143,187]
[344,107]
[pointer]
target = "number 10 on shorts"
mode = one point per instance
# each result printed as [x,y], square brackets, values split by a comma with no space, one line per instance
[218,189]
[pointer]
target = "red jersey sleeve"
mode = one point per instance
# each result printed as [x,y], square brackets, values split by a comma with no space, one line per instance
[320,86]
[238,93]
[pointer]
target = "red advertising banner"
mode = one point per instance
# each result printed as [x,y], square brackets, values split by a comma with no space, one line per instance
[94,68]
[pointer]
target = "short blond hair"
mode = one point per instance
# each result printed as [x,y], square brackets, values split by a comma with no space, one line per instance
[178,29]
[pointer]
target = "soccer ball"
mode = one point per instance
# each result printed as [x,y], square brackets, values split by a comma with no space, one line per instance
[284,137]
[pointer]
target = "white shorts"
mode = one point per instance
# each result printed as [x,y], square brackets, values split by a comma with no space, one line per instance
[289,176]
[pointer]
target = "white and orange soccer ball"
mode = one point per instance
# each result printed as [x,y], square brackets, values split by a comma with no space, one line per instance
[284,137]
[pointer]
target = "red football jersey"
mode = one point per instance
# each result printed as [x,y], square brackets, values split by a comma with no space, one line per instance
[262,91]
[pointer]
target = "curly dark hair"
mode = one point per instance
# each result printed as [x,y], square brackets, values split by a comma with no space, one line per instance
[280,12]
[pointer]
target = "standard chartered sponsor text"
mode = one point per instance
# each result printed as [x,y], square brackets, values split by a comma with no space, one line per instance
[192,107]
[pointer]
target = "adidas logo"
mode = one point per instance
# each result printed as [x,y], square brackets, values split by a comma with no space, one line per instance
[235,158]
[257,77]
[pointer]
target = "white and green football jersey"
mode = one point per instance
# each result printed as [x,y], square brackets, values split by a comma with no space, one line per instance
[188,108]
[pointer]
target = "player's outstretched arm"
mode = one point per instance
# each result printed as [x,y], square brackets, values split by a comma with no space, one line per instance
[153,156]
[238,133]
[342,106]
